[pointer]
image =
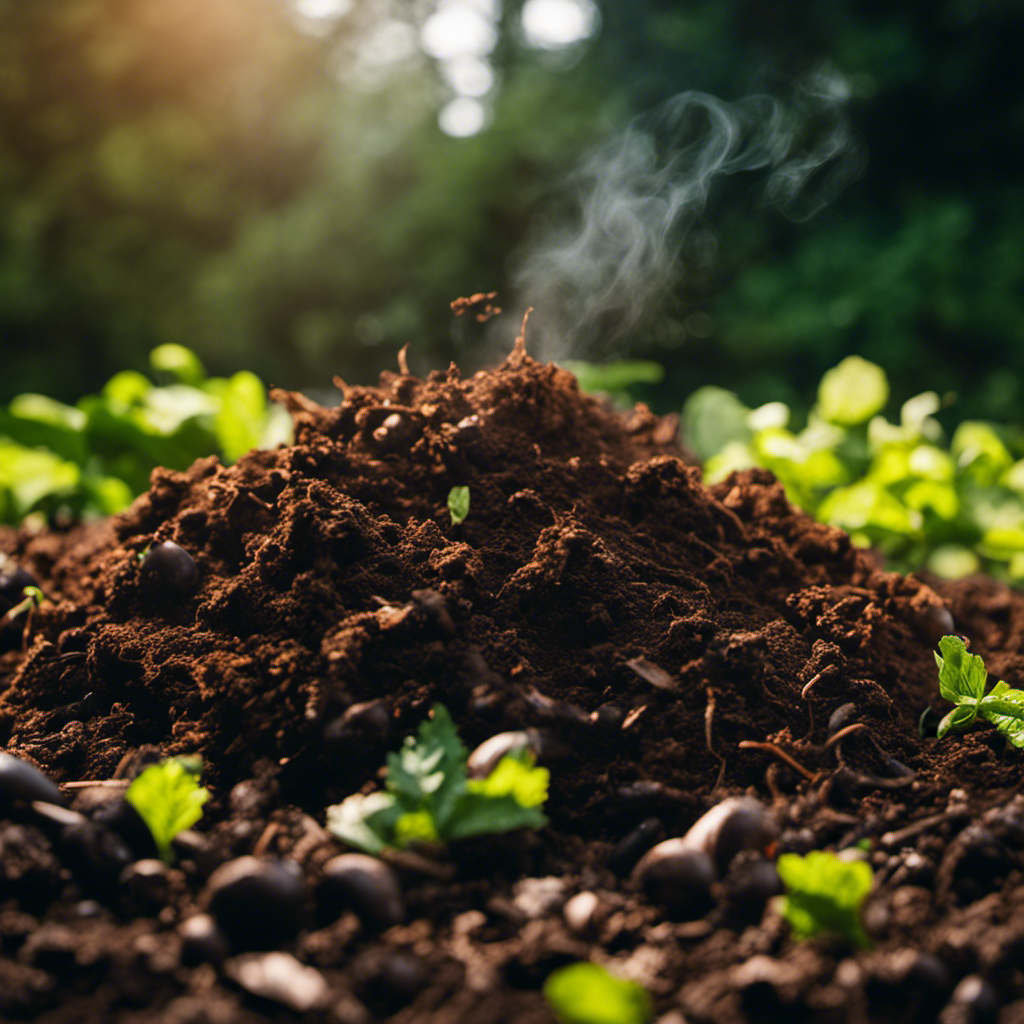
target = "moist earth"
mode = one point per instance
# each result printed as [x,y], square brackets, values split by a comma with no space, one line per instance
[671,644]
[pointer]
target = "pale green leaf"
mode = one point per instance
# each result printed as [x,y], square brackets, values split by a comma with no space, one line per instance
[585,993]
[168,799]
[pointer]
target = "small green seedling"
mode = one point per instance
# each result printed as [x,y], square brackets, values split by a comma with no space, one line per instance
[169,799]
[32,598]
[962,680]
[585,993]
[458,504]
[428,797]
[824,895]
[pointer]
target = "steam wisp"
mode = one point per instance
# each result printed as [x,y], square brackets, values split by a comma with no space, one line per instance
[596,273]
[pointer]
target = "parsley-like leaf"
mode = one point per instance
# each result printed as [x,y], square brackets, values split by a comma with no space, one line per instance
[824,895]
[169,800]
[428,797]
[962,680]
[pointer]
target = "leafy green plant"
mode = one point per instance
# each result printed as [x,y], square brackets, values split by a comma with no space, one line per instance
[428,796]
[824,895]
[169,799]
[963,679]
[92,458]
[585,993]
[953,506]
[458,504]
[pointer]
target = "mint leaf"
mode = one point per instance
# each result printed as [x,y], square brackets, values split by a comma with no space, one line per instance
[824,895]
[585,993]
[1004,707]
[168,799]
[458,503]
[961,675]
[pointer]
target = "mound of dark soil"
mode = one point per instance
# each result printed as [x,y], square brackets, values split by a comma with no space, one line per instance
[673,644]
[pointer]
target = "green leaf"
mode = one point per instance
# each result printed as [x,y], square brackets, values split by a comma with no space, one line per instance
[585,993]
[168,799]
[458,503]
[517,777]
[957,720]
[477,815]
[1004,707]
[962,676]
[181,363]
[713,418]
[852,392]
[366,822]
[824,895]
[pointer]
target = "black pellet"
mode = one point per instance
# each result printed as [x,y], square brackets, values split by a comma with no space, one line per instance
[145,887]
[677,878]
[635,844]
[974,1001]
[22,781]
[95,855]
[392,980]
[13,582]
[202,941]
[169,571]
[363,884]
[121,817]
[933,622]
[752,882]
[257,904]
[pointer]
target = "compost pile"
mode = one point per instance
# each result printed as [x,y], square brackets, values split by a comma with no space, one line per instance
[667,645]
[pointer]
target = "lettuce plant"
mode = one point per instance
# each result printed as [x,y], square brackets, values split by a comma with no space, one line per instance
[428,796]
[824,895]
[169,800]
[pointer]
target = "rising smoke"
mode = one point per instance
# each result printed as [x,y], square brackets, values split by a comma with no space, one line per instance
[636,204]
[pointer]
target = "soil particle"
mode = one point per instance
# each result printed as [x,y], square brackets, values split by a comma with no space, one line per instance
[660,646]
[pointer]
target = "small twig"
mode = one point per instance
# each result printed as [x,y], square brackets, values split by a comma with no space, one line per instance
[403,361]
[414,862]
[259,501]
[709,715]
[103,783]
[843,733]
[915,828]
[771,748]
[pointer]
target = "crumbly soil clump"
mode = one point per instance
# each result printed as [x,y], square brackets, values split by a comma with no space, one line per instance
[673,644]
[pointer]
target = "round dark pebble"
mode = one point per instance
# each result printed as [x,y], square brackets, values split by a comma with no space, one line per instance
[933,622]
[168,570]
[95,855]
[202,941]
[258,904]
[363,884]
[928,974]
[20,780]
[390,981]
[368,725]
[121,817]
[609,717]
[484,759]
[677,878]
[844,715]
[635,844]
[751,884]
[13,581]
[145,887]
[748,826]
[974,1001]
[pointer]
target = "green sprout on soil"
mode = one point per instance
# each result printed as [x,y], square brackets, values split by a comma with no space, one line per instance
[169,799]
[824,895]
[32,598]
[962,680]
[429,798]
[458,504]
[585,993]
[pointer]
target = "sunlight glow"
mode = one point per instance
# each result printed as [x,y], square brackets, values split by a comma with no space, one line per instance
[555,24]
[458,30]
[468,76]
[463,117]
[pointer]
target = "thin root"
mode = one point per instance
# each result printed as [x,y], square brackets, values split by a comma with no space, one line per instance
[403,361]
[771,748]
[843,733]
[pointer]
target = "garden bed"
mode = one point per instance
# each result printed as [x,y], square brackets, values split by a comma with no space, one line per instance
[650,629]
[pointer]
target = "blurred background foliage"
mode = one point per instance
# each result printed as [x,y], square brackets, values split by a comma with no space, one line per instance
[300,187]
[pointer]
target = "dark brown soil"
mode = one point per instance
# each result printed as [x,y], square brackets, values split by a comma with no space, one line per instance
[331,576]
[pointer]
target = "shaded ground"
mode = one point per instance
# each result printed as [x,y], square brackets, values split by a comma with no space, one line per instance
[332,577]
